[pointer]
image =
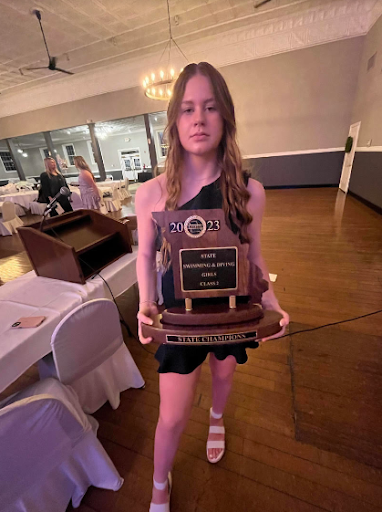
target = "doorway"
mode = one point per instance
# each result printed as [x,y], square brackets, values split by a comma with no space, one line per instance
[349,158]
[130,163]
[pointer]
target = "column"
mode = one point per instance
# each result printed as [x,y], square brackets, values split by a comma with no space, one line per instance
[49,145]
[15,158]
[97,152]
[151,143]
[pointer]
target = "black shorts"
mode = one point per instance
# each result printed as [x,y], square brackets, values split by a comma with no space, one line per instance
[185,359]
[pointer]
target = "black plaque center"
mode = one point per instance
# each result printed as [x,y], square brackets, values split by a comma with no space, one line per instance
[213,268]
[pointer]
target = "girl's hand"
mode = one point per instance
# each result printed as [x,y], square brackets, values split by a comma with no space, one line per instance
[146,311]
[283,322]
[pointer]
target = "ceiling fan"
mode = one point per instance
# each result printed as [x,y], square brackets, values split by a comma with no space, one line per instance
[262,2]
[52,60]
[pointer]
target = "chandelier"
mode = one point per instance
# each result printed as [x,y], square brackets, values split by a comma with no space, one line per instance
[158,85]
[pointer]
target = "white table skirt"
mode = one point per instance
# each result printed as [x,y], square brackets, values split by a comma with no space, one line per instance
[109,183]
[21,198]
[31,295]
[104,190]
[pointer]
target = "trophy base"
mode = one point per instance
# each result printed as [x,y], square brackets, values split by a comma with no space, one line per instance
[225,334]
[212,314]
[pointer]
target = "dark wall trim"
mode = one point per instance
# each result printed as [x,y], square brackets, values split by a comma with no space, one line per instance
[366,177]
[15,158]
[377,209]
[300,186]
[303,170]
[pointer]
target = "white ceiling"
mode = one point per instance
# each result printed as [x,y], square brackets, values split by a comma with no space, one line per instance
[109,44]
[87,34]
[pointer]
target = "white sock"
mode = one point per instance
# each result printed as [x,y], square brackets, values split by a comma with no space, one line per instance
[160,487]
[214,415]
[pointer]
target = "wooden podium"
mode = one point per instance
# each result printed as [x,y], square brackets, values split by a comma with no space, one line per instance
[74,246]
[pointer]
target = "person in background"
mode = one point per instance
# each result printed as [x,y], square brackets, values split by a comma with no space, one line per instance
[62,163]
[51,181]
[89,192]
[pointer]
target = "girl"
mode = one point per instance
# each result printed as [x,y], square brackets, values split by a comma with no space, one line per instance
[90,195]
[203,170]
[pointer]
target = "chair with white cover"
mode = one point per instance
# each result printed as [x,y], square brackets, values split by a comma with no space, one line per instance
[89,354]
[20,211]
[49,449]
[125,188]
[117,192]
[10,221]
[112,204]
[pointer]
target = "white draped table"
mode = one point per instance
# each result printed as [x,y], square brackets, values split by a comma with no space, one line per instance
[31,295]
[22,198]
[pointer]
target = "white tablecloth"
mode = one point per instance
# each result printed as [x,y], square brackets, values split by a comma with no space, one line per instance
[103,190]
[109,183]
[31,295]
[21,198]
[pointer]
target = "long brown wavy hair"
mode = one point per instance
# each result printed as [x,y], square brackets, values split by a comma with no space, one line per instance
[47,169]
[80,162]
[232,179]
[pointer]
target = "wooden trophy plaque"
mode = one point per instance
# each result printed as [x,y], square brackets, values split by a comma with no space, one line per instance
[209,262]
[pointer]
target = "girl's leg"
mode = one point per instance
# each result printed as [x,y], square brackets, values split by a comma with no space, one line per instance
[177,394]
[222,377]
[64,202]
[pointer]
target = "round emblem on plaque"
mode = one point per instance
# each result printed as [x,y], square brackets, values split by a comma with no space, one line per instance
[195,226]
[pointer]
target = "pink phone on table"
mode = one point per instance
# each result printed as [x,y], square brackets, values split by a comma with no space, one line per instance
[28,321]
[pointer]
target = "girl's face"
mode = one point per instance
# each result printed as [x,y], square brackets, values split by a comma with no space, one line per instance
[199,123]
[51,165]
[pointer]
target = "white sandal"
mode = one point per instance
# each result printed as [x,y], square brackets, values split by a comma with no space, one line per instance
[162,507]
[216,444]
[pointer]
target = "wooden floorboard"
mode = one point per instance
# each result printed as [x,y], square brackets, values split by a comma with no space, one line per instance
[303,420]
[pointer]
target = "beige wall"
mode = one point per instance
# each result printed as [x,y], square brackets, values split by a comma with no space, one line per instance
[368,101]
[298,100]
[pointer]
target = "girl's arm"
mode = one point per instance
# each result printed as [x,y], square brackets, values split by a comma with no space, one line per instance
[45,185]
[145,200]
[256,206]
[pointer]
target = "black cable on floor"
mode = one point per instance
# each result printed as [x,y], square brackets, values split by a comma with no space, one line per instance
[333,323]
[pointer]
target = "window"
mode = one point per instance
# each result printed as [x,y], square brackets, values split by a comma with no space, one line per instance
[45,153]
[7,160]
[70,153]
[91,152]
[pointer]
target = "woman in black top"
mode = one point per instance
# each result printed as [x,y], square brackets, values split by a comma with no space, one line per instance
[51,181]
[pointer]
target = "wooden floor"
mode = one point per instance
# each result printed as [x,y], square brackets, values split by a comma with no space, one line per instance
[304,430]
